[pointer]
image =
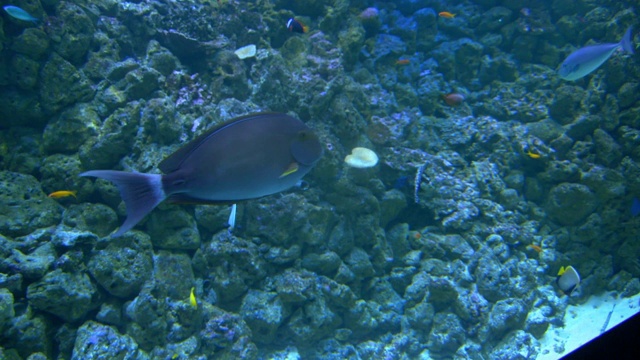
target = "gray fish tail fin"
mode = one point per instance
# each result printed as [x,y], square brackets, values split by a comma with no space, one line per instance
[627,41]
[141,193]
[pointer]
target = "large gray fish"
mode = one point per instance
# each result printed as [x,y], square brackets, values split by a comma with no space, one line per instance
[246,158]
[585,60]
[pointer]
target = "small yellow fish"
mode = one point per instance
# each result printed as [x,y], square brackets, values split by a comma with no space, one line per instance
[192,299]
[62,194]
[446,15]
[533,155]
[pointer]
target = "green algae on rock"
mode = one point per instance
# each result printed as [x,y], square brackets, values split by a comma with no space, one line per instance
[114,139]
[24,72]
[67,295]
[7,312]
[123,265]
[570,203]
[75,36]
[31,208]
[62,84]
[68,131]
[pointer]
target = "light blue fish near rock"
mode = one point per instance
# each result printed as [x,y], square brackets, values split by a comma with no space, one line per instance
[585,60]
[17,13]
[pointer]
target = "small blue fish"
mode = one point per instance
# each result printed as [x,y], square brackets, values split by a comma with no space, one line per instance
[635,207]
[18,13]
[585,60]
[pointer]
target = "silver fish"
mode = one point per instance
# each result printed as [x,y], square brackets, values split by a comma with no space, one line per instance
[587,59]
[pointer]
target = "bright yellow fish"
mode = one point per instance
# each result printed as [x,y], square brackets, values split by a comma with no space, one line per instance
[446,15]
[533,155]
[62,194]
[192,299]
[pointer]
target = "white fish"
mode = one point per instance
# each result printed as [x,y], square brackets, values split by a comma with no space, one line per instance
[585,60]
[232,217]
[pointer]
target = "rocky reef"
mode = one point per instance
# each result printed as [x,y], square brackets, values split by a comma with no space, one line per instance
[449,248]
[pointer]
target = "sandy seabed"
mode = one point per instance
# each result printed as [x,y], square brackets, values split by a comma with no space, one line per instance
[586,321]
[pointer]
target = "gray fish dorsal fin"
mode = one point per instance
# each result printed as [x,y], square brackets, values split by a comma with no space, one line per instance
[173,161]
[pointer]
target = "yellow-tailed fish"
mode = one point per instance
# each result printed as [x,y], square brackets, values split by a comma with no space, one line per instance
[238,160]
[62,194]
[192,298]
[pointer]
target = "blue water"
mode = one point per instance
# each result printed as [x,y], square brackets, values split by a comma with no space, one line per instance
[493,173]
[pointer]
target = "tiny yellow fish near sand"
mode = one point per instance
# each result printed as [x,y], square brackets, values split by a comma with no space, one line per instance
[62,194]
[192,298]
